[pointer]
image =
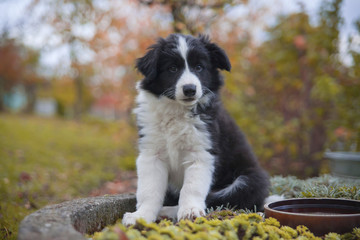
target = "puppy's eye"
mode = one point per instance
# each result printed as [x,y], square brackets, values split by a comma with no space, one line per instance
[173,69]
[199,68]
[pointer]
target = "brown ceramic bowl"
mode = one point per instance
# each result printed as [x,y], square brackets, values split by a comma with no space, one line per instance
[320,215]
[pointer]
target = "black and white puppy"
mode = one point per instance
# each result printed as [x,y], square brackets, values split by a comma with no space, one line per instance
[192,154]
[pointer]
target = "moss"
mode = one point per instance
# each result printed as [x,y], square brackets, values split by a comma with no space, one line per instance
[224,223]
[332,236]
[231,226]
[323,186]
[304,231]
[290,231]
[272,222]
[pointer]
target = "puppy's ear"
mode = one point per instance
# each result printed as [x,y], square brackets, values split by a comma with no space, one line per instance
[147,65]
[218,56]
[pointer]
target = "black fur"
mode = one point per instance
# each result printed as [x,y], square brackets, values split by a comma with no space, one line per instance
[234,157]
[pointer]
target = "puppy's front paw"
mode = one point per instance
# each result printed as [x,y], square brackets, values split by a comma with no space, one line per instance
[130,218]
[190,213]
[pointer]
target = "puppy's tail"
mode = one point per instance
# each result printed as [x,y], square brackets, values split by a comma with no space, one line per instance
[245,192]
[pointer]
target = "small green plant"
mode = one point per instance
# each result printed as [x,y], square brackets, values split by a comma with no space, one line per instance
[323,186]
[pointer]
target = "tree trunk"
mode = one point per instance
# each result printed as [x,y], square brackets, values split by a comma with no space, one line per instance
[2,93]
[30,91]
[178,23]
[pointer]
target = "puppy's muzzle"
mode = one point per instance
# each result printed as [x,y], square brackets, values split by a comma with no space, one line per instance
[189,90]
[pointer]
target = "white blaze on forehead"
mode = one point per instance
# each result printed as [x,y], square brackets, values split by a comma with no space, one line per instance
[187,76]
[183,48]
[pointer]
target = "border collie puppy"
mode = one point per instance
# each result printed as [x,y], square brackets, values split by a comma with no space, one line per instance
[192,156]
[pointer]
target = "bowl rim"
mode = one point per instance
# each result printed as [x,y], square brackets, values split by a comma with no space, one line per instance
[343,156]
[344,215]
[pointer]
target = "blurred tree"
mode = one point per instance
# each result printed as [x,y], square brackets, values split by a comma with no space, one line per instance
[31,78]
[62,90]
[348,103]
[103,38]
[354,90]
[18,66]
[285,87]
[290,85]
[193,16]
[66,19]
[10,64]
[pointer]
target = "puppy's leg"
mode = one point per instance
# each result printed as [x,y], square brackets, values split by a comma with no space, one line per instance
[197,182]
[152,184]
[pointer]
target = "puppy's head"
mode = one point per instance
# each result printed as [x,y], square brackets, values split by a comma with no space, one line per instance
[183,68]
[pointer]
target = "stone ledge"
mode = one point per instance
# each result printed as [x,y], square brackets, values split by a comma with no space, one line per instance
[72,219]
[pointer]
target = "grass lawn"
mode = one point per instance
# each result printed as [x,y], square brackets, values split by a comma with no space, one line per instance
[45,161]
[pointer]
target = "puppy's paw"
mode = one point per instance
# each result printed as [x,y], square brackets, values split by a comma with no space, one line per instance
[130,218]
[190,213]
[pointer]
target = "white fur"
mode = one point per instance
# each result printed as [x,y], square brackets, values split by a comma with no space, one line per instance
[183,47]
[187,77]
[238,183]
[173,150]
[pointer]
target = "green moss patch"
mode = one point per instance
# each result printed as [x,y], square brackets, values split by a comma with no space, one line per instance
[224,224]
[323,186]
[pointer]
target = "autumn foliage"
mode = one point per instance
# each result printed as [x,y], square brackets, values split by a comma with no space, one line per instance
[289,92]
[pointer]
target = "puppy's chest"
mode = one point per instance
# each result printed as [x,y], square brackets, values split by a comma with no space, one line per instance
[174,133]
[181,133]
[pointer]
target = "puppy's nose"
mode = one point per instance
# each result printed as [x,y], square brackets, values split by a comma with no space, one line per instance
[189,90]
